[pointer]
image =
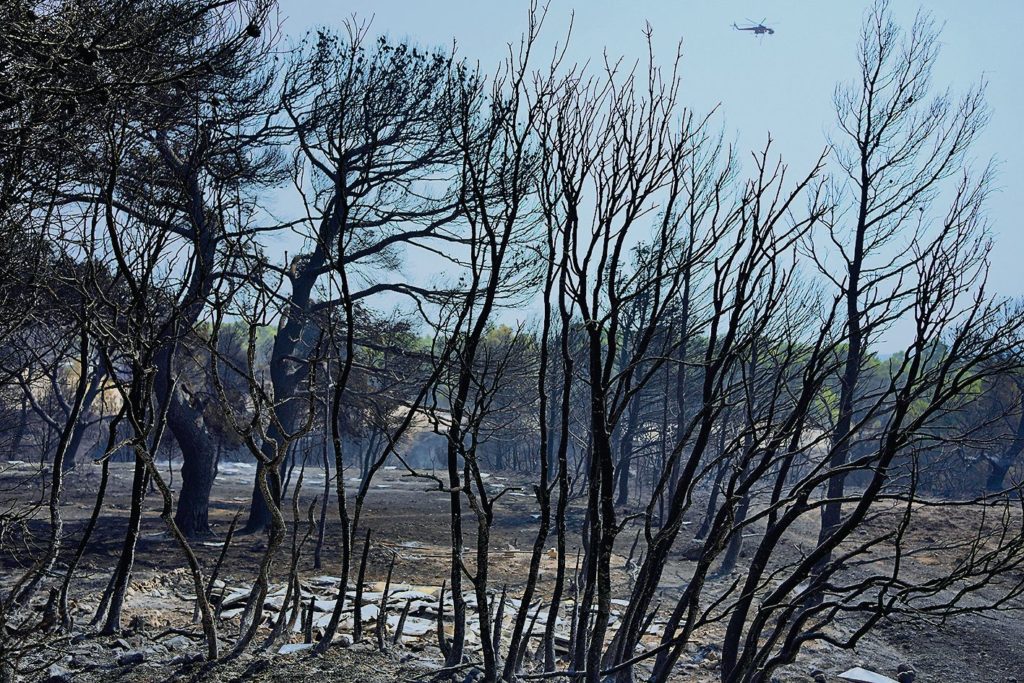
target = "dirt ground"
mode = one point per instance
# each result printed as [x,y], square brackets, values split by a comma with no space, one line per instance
[411,523]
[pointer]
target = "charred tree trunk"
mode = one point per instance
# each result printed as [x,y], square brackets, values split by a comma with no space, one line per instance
[21,429]
[197,469]
[81,424]
[626,445]
[999,466]
[602,505]
[83,543]
[192,514]
[123,572]
[75,443]
[260,515]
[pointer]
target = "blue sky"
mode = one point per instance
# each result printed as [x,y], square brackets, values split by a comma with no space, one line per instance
[781,84]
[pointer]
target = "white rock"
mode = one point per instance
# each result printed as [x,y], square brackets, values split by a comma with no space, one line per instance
[236,598]
[411,595]
[860,675]
[294,647]
[344,623]
[415,626]
[325,580]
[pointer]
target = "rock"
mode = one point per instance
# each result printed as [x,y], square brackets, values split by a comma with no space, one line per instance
[131,659]
[324,619]
[138,623]
[294,647]
[239,597]
[89,656]
[410,595]
[906,674]
[277,591]
[372,597]
[819,676]
[693,551]
[415,626]
[323,605]
[325,580]
[703,653]
[58,674]
[177,643]
[860,675]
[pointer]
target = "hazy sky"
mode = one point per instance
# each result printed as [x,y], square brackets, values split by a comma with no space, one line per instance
[781,83]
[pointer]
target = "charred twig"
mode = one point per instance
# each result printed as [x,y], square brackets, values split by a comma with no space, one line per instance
[357,607]
[382,615]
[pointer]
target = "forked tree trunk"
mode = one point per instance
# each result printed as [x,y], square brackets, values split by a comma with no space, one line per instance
[123,573]
[198,454]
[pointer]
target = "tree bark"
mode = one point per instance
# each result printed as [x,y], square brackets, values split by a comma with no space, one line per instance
[999,466]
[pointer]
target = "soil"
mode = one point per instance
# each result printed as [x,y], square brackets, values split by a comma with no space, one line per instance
[409,520]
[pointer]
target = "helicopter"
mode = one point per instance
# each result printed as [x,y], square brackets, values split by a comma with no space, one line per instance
[758,28]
